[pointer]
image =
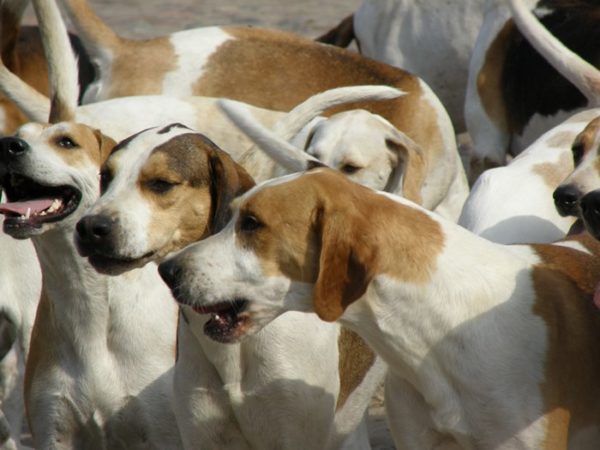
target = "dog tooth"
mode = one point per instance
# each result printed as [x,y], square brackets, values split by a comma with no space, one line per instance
[28,213]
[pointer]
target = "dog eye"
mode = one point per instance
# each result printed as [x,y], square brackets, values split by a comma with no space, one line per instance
[249,223]
[105,179]
[349,169]
[160,186]
[577,150]
[66,142]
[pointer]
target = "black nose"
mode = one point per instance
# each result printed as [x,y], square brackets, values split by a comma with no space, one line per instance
[92,231]
[566,200]
[590,212]
[13,147]
[170,272]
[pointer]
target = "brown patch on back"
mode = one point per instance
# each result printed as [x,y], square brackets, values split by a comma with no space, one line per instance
[356,358]
[561,140]
[554,173]
[140,66]
[489,78]
[564,283]
[322,228]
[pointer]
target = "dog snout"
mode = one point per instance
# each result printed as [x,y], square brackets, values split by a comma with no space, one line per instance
[12,147]
[171,273]
[566,199]
[590,212]
[93,232]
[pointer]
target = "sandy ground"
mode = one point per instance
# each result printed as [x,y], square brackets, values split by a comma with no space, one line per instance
[310,18]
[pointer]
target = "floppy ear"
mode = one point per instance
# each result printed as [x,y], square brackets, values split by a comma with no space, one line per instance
[228,180]
[410,167]
[105,144]
[346,264]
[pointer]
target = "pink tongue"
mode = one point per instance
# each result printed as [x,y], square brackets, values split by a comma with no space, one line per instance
[597,296]
[34,206]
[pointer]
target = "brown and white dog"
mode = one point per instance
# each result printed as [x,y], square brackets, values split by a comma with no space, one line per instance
[516,92]
[165,188]
[266,68]
[102,349]
[497,344]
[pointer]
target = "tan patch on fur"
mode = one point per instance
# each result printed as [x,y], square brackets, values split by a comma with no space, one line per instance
[356,358]
[554,173]
[565,282]
[324,229]
[153,58]
[186,213]
[489,79]
[23,54]
[561,140]
[92,145]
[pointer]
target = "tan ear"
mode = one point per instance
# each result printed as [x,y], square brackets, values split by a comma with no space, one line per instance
[105,144]
[228,180]
[345,264]
[411,166]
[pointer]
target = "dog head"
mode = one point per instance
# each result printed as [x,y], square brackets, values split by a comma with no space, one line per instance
[162,189]
[370,151]
[310,242]
[50,175]
[586,176]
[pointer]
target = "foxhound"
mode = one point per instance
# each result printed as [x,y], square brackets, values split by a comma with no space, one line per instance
[498,344]
[223,62]
[168,187]
[519,88]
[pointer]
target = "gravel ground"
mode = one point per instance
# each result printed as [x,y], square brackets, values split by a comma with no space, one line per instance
[310,18]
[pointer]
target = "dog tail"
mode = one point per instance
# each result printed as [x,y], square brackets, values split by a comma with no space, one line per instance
[96,35]
[570,65]
[277,148]
[62,63]
[34,105]
[293,122]
[340,36]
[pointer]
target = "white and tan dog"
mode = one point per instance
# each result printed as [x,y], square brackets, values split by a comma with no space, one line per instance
[362,145]
[166,188]
[498,343]
[519,88]
[514,203]
[223,62]
[92,379]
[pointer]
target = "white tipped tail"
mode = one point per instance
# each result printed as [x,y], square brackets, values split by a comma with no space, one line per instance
[62,63]
[291,124]
[282,152]
[570,65]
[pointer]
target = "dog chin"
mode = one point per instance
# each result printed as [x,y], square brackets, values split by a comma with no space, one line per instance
[112,266]
[22,231]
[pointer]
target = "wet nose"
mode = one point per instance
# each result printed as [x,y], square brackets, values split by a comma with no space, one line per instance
[12,147]
[170,272]
[92,231]
[566,199]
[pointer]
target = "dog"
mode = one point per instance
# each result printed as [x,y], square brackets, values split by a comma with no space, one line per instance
[364,146]
[517,89]
[168,187]
[470,325]
[223,61]
[92,379]
[22,53]
[431,40]
[514,204]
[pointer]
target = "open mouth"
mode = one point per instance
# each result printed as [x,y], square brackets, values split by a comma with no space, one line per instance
[31,204]
[227,320]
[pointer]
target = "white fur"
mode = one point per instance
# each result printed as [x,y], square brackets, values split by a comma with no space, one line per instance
[433,40]
[469,358]
[223,392]
[514,204]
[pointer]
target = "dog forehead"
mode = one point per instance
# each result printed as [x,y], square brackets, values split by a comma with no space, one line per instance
[131,154]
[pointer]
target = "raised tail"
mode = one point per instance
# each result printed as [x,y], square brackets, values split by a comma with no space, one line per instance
[570,65]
